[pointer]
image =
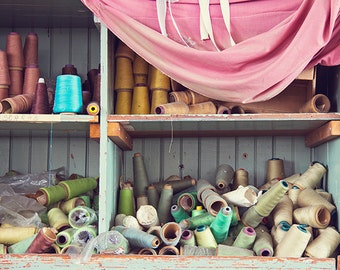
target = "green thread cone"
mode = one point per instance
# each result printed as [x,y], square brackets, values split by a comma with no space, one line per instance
[220,226]
[193,222]
[178,213]
[140,176]
[79,186]
[126,202]
[164,205]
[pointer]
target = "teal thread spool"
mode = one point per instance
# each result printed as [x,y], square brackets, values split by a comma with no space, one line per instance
[204,237]
[178,213]
[78,186]
[138,238]
[220,226]
[68,94]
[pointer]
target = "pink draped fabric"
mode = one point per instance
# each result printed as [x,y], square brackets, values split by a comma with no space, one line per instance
[275,42]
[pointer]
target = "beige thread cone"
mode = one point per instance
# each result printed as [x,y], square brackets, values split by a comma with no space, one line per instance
[172,108]
[311,177]
[316,216]
[309,197]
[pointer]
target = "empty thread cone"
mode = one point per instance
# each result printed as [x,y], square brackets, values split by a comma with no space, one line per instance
[317,104]
[31,77]
[172,108]
[171,233]
[213,202]
[31,50]
[4,69]
[17,104]
[221,109]
[14,50]
[197,98]
[40,104]
[203,108]
[316,216]
[140,100]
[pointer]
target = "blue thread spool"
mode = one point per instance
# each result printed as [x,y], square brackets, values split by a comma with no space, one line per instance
[68,94]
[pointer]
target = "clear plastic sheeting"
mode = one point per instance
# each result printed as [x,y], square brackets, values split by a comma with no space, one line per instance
[274,41]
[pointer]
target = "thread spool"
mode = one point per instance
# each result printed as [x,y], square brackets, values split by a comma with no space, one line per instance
[171,233]
[213,203]
[270,198]
[294,243]
[224,250]
[198,211]
[197,98]
[69,69]
[40,104]
[124,51]
[241,178]
[202,185]
[220,226]
[141,180]
[293,194]
[43,241]
[221,109]
[196,221]
[12,235]
[147,216]
[204,237]
[316,216]
[188,201]
[159,86]
[164,205]
[187,238]
[82,216]
[17,81]
[126,201]
[31,78]
[78,186]
[65,237]
[4,70]
[68,94]
[324,245]
[168,250]
[180,96]
[312,177]
[20,247]
[153,196]
[140,70]
[30,50]
[224,176]
[138,238]
[263,245]
[279,232]
[203,108]
[309,197]
[275,169]
[14,50]
[147,251]
[71,249]
[68,205]
[237,109]
[58,219]
[93,108]
[84,235]
[50,195]
[177,185]
[319,103]
[251,217]
[178,213]
[246,238]
[172,108]
[283,211]
[131,222]
[141,200]
[140,100]
[18,104]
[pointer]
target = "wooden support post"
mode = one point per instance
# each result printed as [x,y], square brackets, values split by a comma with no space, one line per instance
[325,133]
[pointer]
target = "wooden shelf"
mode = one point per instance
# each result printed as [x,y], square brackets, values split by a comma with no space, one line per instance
[289,124]
[65,122]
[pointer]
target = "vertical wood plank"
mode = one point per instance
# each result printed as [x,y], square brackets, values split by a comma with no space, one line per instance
[190,157]
[171,156]
[39,153]
[153,164]
[20,148]
[208,153]
[245,148]
[264,152]
[5,144]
